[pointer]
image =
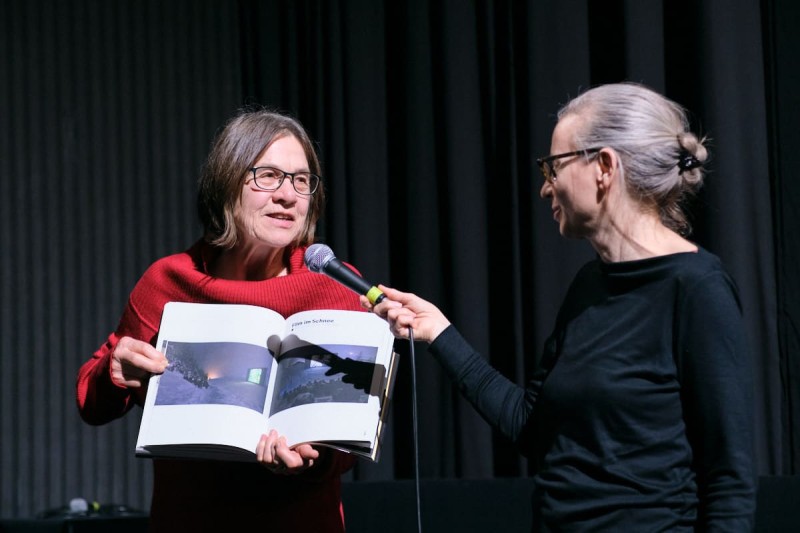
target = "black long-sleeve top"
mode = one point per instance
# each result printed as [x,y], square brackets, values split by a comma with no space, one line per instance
[640,413]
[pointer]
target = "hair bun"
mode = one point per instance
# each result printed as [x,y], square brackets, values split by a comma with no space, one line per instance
[692,154]
[687,161]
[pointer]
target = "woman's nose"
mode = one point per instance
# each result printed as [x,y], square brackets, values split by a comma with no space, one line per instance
[285,190]
[546,190]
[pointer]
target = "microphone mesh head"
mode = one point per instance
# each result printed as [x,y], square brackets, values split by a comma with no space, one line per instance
[317,256]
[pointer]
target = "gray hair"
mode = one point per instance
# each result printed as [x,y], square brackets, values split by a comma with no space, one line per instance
[650,133]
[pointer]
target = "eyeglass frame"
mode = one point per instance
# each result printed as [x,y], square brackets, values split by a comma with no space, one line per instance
[546,163]
[283,177]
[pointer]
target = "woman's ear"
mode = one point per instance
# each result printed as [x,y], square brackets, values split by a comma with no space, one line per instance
[607,165]
[608,161]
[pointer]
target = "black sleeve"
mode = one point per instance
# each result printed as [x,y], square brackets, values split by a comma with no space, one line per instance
[714,368]
[502,403]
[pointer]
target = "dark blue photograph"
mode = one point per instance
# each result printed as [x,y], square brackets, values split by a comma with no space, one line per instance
[324,373]
[223,373]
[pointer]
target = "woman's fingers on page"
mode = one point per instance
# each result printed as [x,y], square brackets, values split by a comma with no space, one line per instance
[123,372]
[260,448]
[307,452]
[265,450]
[297,459]
[273,452]
[293,463]
[287,456]
[133,360]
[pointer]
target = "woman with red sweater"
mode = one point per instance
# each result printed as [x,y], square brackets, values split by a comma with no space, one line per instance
[259,200]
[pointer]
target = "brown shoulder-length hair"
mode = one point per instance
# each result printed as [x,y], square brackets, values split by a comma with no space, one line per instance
[234,151]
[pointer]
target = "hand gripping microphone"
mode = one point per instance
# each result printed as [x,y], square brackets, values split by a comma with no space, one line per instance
[319,258]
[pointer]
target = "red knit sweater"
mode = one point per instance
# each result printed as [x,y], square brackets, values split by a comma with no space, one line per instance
[216,495]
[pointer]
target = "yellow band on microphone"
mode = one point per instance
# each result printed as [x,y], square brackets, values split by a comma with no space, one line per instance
[373,294]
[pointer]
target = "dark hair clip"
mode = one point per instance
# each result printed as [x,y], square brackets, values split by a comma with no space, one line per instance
[687,161]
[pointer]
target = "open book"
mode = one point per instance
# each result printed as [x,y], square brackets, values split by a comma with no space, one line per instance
[237,371]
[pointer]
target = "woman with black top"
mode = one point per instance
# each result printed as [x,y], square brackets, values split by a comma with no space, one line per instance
[640,415]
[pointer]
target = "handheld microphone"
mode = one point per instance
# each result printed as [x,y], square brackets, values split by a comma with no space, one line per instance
[319,258]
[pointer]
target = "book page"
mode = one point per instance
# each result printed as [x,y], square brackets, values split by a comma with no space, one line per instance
[214,390]
[330,377]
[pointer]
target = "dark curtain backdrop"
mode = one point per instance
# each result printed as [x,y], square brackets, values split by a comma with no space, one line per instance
[428,115]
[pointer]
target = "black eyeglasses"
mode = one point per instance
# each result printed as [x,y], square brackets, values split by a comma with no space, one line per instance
[271,179]
[549,169]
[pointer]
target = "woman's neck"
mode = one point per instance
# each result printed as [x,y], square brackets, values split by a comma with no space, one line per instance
[250,264]
[637,235]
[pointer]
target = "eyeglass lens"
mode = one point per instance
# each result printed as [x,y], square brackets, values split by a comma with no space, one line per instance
[270,179]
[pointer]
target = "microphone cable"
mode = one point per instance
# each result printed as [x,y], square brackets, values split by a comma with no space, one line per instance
[415,425]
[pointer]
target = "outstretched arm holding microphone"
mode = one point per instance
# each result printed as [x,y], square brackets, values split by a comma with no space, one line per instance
[502,403]
[405,310]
